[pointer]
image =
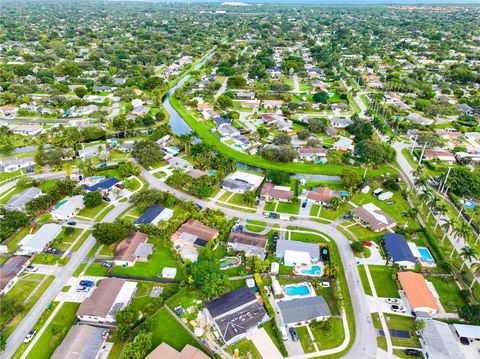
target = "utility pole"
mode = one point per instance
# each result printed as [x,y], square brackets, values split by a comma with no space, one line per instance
[414,141]
[421,155]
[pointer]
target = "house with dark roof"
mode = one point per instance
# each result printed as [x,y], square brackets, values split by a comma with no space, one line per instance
[81,341]
[439,342]
[18,201]
[398,250]
[190,236]
[304,310]
[10,270]
[234,314]
[252,244]
[154,214]
[104,185]
[111,296]
[132,249]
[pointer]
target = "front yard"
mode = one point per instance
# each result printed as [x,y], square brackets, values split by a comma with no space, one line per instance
[385,285]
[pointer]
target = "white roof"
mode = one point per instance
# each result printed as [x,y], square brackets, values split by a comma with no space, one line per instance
[375,212]
[414,250]
[297,257]
[468,331]
[254,180]
[277,288]
[70,205]
[37,241]
[169,272]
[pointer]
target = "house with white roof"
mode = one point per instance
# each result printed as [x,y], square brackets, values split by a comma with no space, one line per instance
[343,144]
[36,242]
[296,252]
[67,208]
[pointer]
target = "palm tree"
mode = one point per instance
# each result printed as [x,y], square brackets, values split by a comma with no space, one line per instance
[432,203]
[419,182]
[475,268]
[441,210]
[418,172]
[410,213]
[467,253]
[447,226]
[424,196]
[464,232]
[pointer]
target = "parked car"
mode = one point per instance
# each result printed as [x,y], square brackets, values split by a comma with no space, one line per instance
[294,334]
[392,301]
[87,283]
[284,333]
[83,289]
[275,236]
[273,215]
[398,308]
[119,185]
[108,264]
[347,216]
[304,204]
[31,268]
[198,206]
[29,336]
[464,341]
[72,223]
[413,352]
[106,199]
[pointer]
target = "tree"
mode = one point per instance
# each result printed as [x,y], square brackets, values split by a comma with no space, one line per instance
[357,246]
[468,254]
[249,197]
[80,91]
[471,313]
[303,134]
[321,97]
[418,325]
[211,280]
[282,139]
[3,343]
[109,233]
[464,231]
[224,102]
[352,179]
[125,320]
[277,177]
[315,125]
[147,153]
[361,129]
[128,169]
[92,199]
[447,226]
[262,132]
[236,81]
[139,347]
[256,264]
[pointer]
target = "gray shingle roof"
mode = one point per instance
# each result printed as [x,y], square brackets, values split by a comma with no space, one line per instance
[303,309]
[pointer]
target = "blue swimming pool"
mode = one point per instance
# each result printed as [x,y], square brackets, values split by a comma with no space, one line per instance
[300,289]
[469,204]
[314,270]
[426,255]
[211,172]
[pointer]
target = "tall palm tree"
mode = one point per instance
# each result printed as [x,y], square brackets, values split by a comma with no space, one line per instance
[424,196]
[432,204]
[467,253]
[417,172]
[464,232]
[447,226]
[419,182]
[475,268]
[441,210]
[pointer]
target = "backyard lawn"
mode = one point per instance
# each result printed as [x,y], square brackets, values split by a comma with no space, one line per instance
[246,349]
[449,293]
[385,285]
[166,329]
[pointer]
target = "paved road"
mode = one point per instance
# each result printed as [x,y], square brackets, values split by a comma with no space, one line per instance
[16,338]
[365,344]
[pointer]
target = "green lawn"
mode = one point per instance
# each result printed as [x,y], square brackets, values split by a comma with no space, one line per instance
[288,207]
[449,293]
[401,322]
[255,226]
[246,349]
[166,329]
[385,285]
[45,258]
[305,339]
[16,190]
[12,243]
[365,284]
[96,269]
[269,328]
[55,332]
[161,257]
[270,207]
[92,212]
[331,338]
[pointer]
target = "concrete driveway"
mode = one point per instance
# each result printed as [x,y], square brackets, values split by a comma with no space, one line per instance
[264,344]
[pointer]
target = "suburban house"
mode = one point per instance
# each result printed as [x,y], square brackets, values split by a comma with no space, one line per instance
[317,154]
[272,192]
[439,155]
[253,104]
[14,164]
[235,313]
[191,235]
[104,185]
[91,151]
[204,107]
[297,253]
[10,270]
[252,244]
[343,144]
[470,332]
[399,251]
[36,242]
[273,103]
[438,341]
[154,214]
[165,351]
[67,208]
[239,182]
[18,201]
[226,130]
[340,123]
[111,296]
[181,164]
[245,95]
[373,217]
[28,129]
[304,310]
[418,293]
[132,249]
[320,195]
[81,341]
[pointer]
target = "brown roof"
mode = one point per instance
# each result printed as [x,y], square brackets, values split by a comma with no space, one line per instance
[417,291]
[165,351]
[126,249]
[102,298]
[11,268]
[376,218]
[315,150]
[323,194]
[440,153]
[200,230]
[249,239]
[269,189]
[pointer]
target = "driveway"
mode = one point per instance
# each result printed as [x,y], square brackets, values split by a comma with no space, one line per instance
[264,344]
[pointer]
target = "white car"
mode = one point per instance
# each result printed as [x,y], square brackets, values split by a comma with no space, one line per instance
[398,308]
[392,301]
[29,336]
[31,268]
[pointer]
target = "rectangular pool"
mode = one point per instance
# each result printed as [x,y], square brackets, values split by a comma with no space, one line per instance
[301,289]
[426,255]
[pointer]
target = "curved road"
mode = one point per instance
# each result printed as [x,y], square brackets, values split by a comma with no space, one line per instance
[365,344]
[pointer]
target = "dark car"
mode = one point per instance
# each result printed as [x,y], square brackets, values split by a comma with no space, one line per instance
[294,334]
[106,199]
[464,341]
[108,264]
[72,223]
[198,206]
[304,204]
[275,236]
[87,283]
[413,352]
[119,185]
